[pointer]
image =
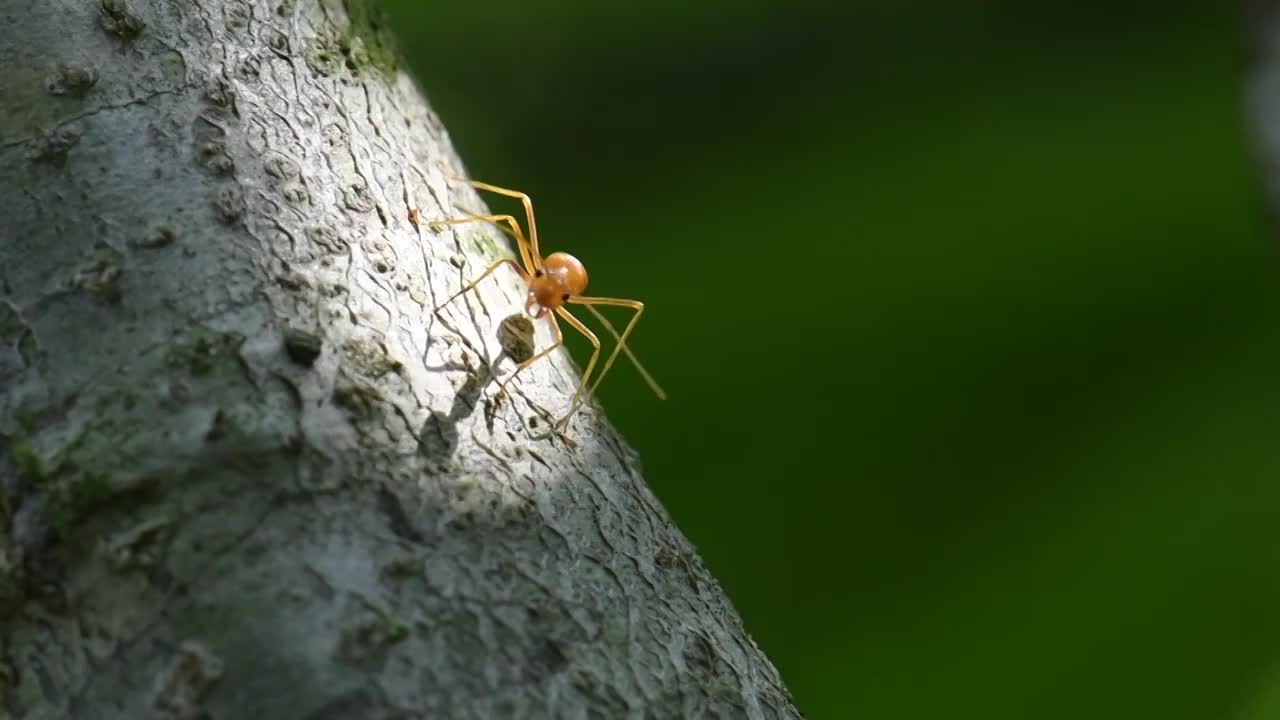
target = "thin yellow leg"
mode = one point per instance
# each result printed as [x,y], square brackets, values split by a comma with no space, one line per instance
[595,354]
[622,341]
[498,220]
[653,384]
[528,209]
[555,330]
[484,275]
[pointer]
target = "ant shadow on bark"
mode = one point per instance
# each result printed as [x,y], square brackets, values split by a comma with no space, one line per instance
[438,436]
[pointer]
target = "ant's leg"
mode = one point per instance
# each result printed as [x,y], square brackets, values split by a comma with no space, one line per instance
[483,275]
[528,209]
[498,220]
[555,330]
[577,395]
[653,384]
[622,341]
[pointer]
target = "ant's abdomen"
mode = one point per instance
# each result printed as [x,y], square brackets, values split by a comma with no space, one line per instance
[570,269]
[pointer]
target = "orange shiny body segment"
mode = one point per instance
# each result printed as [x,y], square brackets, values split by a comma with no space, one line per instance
[561,277]
[568,267]
[557,280]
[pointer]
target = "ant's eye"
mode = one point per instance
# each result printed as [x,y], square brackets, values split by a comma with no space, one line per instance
[538,272]
[565,298]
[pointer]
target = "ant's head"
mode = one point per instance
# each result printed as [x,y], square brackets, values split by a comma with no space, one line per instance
[561,277]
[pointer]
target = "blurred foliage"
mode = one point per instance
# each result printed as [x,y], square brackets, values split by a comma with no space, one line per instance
[966,315]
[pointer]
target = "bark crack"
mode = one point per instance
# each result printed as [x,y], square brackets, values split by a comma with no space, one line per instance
[63,123]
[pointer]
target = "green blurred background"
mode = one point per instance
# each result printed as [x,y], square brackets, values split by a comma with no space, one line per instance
[965,313]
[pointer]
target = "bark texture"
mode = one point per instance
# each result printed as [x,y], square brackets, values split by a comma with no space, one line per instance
[244,474]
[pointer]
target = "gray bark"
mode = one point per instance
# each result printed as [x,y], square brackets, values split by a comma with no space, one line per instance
[203,518]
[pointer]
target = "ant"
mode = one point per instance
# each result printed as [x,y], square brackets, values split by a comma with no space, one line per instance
[557,280]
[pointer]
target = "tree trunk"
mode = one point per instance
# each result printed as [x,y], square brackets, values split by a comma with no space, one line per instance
[245,474]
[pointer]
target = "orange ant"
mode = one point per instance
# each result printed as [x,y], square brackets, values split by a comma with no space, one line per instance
[553,281]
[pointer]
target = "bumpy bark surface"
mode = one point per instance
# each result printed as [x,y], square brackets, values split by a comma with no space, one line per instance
[244,473]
